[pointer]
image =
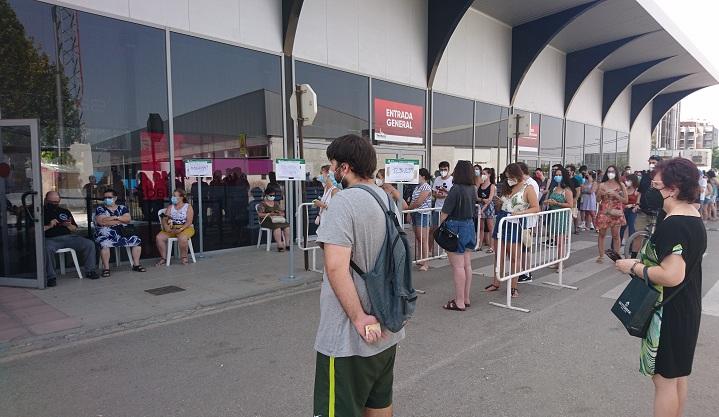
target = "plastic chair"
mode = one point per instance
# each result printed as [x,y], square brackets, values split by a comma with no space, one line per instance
[128,249]
[265,230]
[61,257]
[171,242]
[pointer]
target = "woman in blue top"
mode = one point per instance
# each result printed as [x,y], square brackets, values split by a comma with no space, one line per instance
[110,219]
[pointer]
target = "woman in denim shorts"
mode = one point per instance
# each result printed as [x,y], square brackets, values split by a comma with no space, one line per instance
[422,199]
[458,213]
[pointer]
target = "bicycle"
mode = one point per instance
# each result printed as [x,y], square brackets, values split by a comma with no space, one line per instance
[644,235]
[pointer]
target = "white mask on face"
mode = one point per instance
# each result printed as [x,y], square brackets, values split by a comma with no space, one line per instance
[611,175]
[379,182]
[652,165]
[512,182]
[443,173]
[484,177]
[628,183]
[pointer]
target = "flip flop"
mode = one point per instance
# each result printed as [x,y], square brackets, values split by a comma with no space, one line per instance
[494,288]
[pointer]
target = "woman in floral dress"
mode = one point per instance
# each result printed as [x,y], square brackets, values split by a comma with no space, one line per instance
[110,219]
[612,196]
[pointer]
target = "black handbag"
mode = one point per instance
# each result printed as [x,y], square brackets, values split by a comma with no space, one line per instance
[637,304]
[127,231]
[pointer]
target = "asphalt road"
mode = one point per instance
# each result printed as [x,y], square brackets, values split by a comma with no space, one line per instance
[568,357]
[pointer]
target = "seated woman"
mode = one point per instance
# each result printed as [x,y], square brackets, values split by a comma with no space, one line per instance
[111,219]
[272,217]
[176,222]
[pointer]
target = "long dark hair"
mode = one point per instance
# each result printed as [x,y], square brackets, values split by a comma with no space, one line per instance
[512,170]
[463,173]
[490,173]
[566,178]
[616,174]
[424,173]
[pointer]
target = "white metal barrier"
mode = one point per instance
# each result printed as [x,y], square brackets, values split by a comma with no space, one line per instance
[440,253]
[303,219]
[523,246]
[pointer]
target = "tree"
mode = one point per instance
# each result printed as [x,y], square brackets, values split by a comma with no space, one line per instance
[715,158]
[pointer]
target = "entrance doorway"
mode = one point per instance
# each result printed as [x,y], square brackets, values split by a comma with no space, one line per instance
[21,244]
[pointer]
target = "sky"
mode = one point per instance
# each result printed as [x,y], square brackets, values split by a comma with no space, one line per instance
[697,19]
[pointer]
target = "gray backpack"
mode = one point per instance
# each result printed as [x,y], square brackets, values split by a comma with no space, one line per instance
[389,283]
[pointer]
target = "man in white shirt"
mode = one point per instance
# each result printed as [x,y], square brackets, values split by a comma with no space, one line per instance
[440,190]
[531,222]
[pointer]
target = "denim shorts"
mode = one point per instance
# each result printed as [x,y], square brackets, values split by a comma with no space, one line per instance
[420,219]
[512,231]
[435,218]
[465,230]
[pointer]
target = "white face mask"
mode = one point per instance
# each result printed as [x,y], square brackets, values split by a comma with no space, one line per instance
[477,172]
[628,183]
[379,182]
[611,175]
[651,166]
[443,173]
[512,182]
[484,177]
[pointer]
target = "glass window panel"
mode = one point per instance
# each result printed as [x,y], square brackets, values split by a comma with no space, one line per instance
[592,147]
[342,104]
[228,107]
[93,104]
[574,143]
[609,147]
[529,143]
[490,126]
[451,129]
[399,113]
[622,149]
[550,147]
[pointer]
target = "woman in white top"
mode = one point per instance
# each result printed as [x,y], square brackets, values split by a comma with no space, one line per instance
[176,222]
[330,189]
[518,198]
[422,199]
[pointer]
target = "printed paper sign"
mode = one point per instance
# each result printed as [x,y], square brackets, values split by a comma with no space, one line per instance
[290,169]
[398,122]
[402,171]
[198,168]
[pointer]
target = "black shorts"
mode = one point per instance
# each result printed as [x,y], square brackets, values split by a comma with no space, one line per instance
[344,387]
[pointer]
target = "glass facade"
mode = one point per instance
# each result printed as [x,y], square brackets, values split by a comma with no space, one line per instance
[574,143]
[622,149]
[490,130]
[227,105]
[609,147]
[451,129]
[593,147]
[550,144]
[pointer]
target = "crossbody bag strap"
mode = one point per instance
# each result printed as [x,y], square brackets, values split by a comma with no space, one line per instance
[645,273]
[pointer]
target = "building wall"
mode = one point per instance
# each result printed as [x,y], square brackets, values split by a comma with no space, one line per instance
[587,104]
[618,115]
[477,60]
[542,90]
[255,23]
[639,139]
[383,39]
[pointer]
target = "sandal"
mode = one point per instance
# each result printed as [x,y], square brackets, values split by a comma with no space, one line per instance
[451,305]
[490,250]
[139,268]
[600,260]
[280,249]
[515,293]
[161,262]
[492,286]
[184,260]
[105,273]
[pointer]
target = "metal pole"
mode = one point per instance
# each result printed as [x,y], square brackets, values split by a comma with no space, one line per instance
[202,237]
[291,276]
[300,122]
[516,137]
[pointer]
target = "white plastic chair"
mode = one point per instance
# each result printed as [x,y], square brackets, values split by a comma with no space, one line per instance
[128,249]
[61,257]
[265,230]
[171,242]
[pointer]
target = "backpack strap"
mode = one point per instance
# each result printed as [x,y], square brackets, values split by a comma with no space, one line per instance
[387,210]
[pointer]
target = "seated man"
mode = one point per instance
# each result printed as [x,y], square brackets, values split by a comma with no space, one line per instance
[59,228]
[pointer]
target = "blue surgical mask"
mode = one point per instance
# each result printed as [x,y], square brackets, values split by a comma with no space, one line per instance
[321,179]
[558,179]
[174,199]
[108,201]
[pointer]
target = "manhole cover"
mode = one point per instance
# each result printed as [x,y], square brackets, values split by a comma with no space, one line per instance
[164,290]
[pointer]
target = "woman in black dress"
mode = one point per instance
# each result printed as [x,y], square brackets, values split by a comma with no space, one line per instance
[673,260]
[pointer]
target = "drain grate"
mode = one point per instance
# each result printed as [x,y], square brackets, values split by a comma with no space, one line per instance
[164,290]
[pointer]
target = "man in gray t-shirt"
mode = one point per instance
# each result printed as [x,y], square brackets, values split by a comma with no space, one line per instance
[355,362]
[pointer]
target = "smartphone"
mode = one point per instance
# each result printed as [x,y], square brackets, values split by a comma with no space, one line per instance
[614,256]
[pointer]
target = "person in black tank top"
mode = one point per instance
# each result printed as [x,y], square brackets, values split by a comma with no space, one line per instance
[673,261]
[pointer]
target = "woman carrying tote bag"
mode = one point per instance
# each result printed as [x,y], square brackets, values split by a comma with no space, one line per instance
[672,261]
[458,216]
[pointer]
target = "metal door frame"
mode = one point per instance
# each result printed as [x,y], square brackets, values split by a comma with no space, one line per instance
[37,188]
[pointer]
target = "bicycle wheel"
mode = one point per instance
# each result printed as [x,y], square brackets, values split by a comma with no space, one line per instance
[642,235]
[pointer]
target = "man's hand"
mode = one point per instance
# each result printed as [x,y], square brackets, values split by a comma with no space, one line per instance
[365,320]
[53,223]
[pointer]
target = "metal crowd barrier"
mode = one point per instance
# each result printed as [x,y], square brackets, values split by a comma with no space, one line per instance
[303,220]
[522,247]
[433,248]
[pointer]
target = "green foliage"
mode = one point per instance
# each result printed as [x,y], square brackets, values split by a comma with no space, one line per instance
[715,158]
